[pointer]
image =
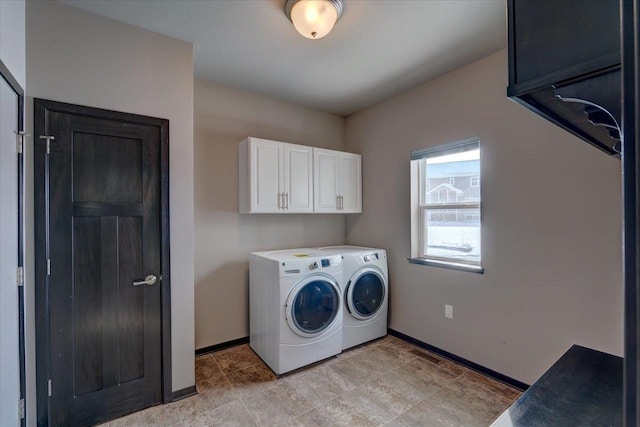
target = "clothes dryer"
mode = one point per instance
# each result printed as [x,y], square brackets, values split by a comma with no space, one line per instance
[295,306]
[365,290]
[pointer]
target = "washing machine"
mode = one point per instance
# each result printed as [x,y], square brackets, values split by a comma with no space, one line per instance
[365,290]
[295,307]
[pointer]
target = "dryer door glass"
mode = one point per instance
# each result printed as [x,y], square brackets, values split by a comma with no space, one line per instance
[367,295]
[315,306]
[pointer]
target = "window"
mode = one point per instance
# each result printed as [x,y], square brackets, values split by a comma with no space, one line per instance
[445,218]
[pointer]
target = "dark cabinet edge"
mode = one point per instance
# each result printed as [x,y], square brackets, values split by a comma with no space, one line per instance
[606,65]
[541,111]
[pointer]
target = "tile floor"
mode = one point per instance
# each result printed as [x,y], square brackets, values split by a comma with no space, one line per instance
[385,383]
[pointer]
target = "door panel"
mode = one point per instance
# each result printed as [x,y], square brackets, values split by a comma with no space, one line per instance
[325,180]
[298,178]
[266,161]
[94,157]
[350,182]
[103,233]
[87,304]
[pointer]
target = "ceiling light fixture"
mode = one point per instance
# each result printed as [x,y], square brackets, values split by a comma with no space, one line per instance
[313,18]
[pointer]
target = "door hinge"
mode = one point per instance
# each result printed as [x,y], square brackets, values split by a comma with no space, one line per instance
[48,267]
[48,139]
[20,141]
[20,278]
[21,411]
[49,388]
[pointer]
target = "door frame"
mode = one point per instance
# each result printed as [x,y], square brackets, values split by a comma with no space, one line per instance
[41,108]
[6,74]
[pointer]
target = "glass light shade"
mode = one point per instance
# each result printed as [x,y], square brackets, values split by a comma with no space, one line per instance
[314,18]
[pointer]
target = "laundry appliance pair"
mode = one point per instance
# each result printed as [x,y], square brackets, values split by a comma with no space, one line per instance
[310,304]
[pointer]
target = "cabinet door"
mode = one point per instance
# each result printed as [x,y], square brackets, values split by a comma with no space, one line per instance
[298,178]
[325,183]
[266,175]
[350,183]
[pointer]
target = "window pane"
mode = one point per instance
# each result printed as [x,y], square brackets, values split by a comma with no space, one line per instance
[453,234]
[453,178]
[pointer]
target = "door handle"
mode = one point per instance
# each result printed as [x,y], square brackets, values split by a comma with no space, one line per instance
[287,202]
[150,280]
[280,201]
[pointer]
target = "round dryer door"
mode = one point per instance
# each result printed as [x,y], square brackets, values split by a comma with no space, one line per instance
[312,306]
[366,293]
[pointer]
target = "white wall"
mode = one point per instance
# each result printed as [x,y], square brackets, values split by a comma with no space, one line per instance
[82,58]
[551,236]
[12,38]
[223,118]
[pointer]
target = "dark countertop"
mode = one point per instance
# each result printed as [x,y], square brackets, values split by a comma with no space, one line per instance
[583,388]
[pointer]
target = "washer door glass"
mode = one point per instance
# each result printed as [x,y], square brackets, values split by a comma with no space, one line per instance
[315,306]
[366,295]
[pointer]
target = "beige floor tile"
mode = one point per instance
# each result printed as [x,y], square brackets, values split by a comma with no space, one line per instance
[277,405]
[483,404]
[397,391]
[251,379]
[320,385]
[442,371]
[391,354]
[312,418]
[396,422]
[493,385]
[232,414]
[217,391]
[134,419]
[236,358]
[356,409]
[196,416]
[359,369]
[440,410]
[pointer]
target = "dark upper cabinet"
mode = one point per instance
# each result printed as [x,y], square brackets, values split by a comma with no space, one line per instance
[564,64]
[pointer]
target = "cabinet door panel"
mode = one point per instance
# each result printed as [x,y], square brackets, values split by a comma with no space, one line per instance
[266,163]
[325,183]
[350,183]
[298,178]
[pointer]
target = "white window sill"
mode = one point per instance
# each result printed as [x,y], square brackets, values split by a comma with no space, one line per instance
[449,265]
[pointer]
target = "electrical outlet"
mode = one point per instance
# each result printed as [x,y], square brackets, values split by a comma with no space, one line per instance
[448,311]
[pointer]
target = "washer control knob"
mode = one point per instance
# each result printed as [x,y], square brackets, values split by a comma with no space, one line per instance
[314,266]
[367,258]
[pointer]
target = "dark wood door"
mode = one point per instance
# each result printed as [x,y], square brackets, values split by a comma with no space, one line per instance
[101,232]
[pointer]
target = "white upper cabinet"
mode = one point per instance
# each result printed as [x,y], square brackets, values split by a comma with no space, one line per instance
[337,181]
[350,173]
[275,177]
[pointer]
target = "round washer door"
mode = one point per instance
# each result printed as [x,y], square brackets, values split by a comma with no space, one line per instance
[366,293]
[312,305]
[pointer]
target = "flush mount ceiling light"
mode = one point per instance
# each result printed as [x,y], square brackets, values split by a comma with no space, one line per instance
[313,18]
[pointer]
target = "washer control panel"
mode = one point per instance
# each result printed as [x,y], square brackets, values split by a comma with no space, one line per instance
[324,263]
[370,257]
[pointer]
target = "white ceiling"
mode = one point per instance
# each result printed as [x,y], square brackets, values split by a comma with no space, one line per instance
[378,48]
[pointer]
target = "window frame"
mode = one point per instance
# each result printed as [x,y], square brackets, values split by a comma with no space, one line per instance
[420,207]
